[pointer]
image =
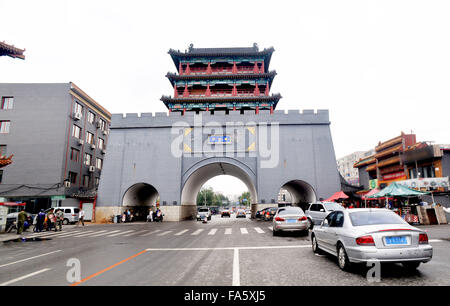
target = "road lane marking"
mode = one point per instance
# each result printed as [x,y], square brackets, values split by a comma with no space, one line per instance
[213,231]
[244,230]
[181,233]
[228,231]
[259,230]
[232,248]
[89,234]
[155,231]
[138,232]
[24,277]
[22,260]
[197,232]
[109,268]
[120,233]
[270,227]
[68,235]
[110,232]
[84,234]
[435,240]
[164,233]
[236,276]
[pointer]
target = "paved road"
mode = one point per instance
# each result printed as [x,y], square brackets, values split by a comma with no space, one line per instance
[221,252]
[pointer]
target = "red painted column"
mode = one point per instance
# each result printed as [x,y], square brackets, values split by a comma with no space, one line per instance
[257,110]
[234,94]
[186,91]
[181,69]
[184,110]
[234,107]
[170,110]
[262,67]
[234,71]
[188,70]
[255,68]
[271,109]
[208,91]
[207,107]
[256,91]
[175,91]
[208,69]
[267,89]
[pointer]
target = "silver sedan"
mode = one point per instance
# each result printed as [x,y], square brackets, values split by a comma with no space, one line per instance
[364,234]
[290,218]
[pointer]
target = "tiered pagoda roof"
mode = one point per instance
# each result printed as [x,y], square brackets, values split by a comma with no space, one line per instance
[227,79]
[11,51]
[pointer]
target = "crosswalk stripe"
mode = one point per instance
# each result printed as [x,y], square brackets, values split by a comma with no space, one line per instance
[63,234]
[228,231]
[259,230]
[155,231]
[89,234]
[213,231]
[102,234]
[164,233]
[244,230]
[197,232]
[270,227]
[120,233]
[84,234]
[181,233]
[66,235]
[138,232]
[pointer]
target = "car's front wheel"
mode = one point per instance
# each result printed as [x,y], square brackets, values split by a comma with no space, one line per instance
[65,222]
[343,261]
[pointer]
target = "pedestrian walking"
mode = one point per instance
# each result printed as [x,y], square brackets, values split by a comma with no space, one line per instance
[21,217]
[51,219]
[40,219]
[150,215]
[81,217]
[59,219]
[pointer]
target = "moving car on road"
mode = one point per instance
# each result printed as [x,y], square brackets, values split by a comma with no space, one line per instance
[203,212]
[225,213]
[363,234]
[290,219]
[316,212]
[240,213]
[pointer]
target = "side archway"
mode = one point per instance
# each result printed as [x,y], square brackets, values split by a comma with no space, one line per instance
[139,198]
[301,193]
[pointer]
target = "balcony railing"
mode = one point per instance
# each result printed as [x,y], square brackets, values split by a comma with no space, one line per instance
[219,70]
[225,93]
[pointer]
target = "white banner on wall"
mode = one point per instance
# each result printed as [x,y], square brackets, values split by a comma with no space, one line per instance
[429,182]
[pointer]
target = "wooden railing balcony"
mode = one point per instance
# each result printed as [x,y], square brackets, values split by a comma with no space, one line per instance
[220,70]
[224,93]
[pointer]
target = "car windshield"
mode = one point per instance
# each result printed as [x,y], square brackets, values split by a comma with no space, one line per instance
[362,218]
[332,206]
[203,210]
[291,211]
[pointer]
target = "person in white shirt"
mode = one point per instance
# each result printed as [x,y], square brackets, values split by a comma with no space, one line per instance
[81,217]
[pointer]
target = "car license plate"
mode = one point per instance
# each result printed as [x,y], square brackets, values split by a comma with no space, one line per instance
[396,240]
[291,221]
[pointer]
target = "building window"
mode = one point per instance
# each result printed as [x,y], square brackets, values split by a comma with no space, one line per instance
[1,176]
[4,127]
[87,159]
[102,125]
[97,181]
[7,102]
[101,144]
[99,163]
[72,177]
[74,154]
[91,117]
[89,138]
[76,131]
[2,150]
[78,108]
[86,181]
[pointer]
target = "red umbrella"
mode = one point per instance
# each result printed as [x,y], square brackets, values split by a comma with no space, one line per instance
[338,195]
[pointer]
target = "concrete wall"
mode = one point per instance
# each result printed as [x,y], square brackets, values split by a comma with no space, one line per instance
[140,152]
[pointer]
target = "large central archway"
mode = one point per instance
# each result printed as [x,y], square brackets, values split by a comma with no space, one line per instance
[197,177]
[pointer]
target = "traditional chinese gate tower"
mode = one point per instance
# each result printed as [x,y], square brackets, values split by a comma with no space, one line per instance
[221,121]
[216,79]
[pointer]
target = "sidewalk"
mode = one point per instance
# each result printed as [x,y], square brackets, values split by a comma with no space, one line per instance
[10,236]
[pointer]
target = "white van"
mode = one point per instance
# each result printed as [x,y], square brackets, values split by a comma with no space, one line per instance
[71,214]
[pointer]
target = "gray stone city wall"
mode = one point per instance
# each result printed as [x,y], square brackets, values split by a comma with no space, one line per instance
[139,151]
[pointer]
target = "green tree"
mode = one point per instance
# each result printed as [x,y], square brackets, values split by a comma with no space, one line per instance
[205,196]
[245,198]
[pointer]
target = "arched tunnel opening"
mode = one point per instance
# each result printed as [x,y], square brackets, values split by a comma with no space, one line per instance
[297,193]
[139,199]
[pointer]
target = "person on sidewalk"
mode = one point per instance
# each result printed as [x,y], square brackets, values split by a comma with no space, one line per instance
[21,217]
[40,218]
[51,219]
[59,219]
[81,217]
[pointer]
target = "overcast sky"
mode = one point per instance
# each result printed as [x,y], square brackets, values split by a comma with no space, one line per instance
[380,67]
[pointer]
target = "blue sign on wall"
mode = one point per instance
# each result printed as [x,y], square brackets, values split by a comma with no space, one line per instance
[219,139]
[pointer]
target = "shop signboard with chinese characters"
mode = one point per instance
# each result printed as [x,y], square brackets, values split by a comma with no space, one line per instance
[430,182]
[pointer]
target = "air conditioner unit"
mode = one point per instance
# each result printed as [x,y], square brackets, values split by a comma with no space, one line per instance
[105,132]
[103,151]
[77,116]
[91,168]
[67,184]
[92,146]
[80,142]
[98,124]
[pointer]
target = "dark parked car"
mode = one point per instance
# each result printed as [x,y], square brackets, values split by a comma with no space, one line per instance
[268,214]
[260,213]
